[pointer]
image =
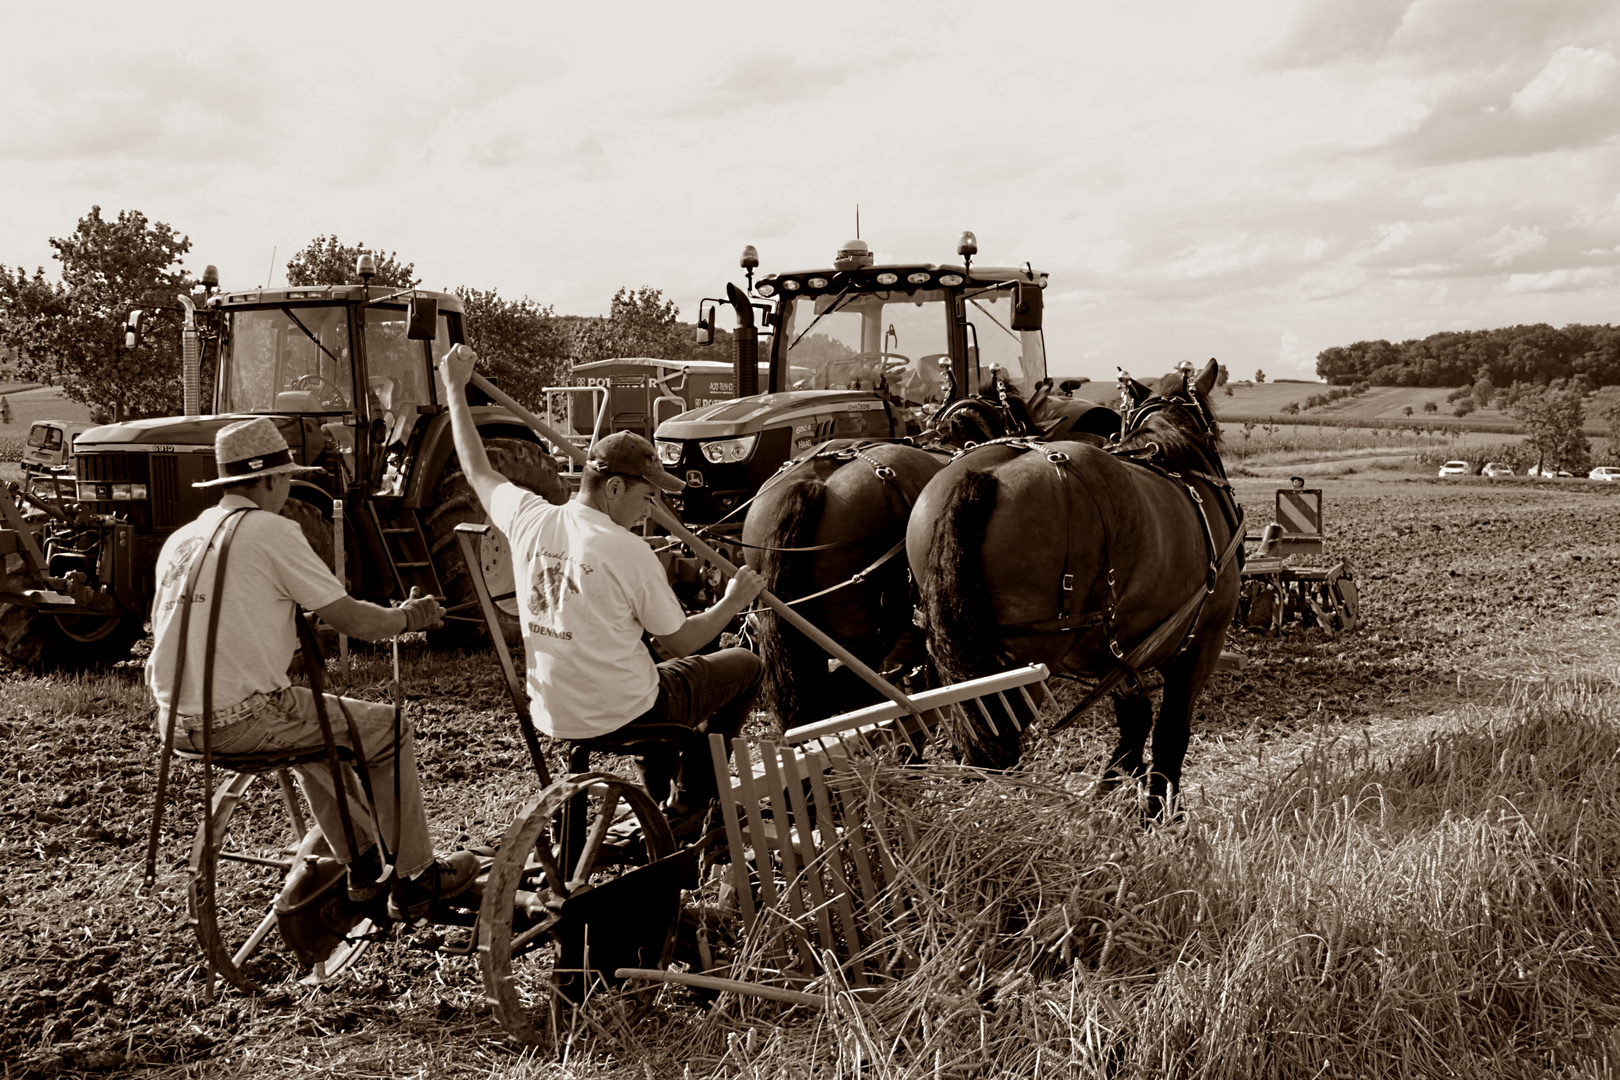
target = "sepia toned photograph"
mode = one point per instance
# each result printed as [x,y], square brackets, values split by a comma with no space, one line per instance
[915,541]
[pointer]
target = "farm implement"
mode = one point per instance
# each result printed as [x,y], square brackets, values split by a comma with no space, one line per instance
[1284,579]
[585,888]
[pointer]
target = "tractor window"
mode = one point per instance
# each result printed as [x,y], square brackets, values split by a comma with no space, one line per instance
[395,365]
[287,360]
[859,341]
[1019,353]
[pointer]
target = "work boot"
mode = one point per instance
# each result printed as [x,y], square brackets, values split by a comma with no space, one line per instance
[446,877]
[686,818]
[363,873]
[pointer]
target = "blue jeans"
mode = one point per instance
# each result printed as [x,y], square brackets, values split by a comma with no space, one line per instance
[286,721]
[697,696]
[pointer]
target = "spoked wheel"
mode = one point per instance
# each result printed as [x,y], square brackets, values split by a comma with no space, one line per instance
[262,834]
[559,913]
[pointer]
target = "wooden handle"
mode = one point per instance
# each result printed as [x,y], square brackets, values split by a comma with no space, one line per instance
[666,517]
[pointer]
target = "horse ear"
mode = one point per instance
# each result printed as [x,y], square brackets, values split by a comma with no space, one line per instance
[1206,378]
[1140,392]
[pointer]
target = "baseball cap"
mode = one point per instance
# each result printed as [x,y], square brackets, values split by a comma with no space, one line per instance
[628,454]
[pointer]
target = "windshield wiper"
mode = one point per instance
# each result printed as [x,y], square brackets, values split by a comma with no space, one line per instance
[832,307]
[995,320]
[337,365]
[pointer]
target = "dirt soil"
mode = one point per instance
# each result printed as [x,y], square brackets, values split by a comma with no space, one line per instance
[1465,585]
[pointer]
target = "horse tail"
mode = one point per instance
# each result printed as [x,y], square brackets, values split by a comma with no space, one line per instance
[956,599]
[783,650]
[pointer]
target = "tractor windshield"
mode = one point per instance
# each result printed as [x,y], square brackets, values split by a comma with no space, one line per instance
[1018,353]
[287,360]
[868,341]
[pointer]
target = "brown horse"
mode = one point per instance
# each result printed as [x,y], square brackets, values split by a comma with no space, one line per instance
[1101,564]
[828,531]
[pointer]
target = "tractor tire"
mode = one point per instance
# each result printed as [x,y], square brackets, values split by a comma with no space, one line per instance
[454,503]
[37,640]
[315,527]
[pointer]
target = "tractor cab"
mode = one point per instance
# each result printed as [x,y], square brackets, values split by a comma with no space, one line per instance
[861,350]
[344,358]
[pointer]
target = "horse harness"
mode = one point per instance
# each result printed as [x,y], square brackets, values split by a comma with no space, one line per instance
[1069,619]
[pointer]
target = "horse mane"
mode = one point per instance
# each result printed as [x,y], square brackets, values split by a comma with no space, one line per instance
[1173,425]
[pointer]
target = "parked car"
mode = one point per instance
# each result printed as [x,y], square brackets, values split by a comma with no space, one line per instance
[1546,472]
[1605,472]
[1496,468]
[1455,468]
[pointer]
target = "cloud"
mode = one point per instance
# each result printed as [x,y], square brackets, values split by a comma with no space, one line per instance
[1427,37]
[1573,77]
[1572,102]
[156,106]
[1322,33]
[766,77]
[1565,280]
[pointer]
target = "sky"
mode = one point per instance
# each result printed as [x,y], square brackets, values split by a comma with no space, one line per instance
[1254,180]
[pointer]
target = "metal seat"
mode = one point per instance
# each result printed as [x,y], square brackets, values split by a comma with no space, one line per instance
[270,761]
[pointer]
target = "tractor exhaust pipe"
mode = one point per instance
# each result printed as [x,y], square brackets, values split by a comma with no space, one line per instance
[190,360]
[746,337]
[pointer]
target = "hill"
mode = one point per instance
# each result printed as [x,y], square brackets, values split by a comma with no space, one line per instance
[1379,405]
[30,402]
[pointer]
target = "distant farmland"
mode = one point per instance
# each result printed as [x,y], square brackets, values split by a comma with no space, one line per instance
[1381,406]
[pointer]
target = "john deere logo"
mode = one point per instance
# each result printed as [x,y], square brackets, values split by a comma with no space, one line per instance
[694,478]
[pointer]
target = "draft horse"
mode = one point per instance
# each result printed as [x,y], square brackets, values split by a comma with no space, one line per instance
[1103,564]
[827,533]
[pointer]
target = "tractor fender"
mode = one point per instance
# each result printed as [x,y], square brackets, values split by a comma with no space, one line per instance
[438,444]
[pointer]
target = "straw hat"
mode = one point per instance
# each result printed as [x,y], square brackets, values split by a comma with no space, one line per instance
[250,448]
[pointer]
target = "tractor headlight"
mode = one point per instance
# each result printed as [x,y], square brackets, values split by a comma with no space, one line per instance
[128,492]
[668,452]
[729,451]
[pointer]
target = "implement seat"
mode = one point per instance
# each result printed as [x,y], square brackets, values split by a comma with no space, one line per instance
[269,761]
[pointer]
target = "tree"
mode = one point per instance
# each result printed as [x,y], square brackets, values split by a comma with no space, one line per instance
[1221,374]
[1259,377]
[639,323]
[1552,416]
[71,333]
[1406,410]
[519,342]
[1430,407]
[327,261]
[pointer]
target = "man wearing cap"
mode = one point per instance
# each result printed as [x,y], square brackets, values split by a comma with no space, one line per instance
[272,570]
[589,587]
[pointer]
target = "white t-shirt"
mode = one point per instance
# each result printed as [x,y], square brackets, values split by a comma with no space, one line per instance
[587,588]
[271,568]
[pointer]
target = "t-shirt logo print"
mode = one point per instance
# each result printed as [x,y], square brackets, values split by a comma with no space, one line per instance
[549,584]
[181,562]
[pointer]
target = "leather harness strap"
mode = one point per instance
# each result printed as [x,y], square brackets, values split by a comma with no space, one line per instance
[188,591]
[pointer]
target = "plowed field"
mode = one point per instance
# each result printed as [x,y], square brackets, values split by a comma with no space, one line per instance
[1465,585]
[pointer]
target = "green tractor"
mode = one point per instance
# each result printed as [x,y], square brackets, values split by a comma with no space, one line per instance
[347,373]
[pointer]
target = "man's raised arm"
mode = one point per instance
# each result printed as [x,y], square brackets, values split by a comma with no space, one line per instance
[454,371]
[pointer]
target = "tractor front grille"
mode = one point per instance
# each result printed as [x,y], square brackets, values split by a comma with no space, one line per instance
[169,500]
[165,491]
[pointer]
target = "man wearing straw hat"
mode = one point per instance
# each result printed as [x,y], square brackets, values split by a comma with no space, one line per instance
[272,571]
[589,587]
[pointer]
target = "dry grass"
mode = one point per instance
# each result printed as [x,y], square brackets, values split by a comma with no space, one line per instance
[1448,910]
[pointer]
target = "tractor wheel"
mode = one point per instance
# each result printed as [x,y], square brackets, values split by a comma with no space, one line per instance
[36,639]
[454,503]
[315,527]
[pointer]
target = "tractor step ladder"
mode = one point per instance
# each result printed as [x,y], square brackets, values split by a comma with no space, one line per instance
[409,558]
[816,867]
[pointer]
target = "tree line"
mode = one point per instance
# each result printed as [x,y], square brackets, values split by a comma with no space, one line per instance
[1538,354]
[70,332]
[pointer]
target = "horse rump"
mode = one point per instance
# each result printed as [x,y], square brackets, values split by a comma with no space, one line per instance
[956,604]
[783,649]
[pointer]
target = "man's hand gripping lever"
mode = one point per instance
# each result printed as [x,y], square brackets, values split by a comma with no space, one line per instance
[421,612]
